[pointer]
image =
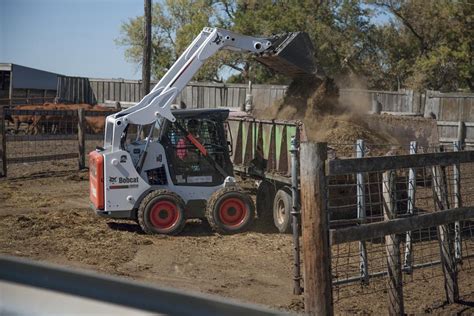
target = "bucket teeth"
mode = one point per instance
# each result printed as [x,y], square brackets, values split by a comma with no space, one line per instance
[291,54]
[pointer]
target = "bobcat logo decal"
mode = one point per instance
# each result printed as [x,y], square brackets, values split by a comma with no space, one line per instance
[113,179]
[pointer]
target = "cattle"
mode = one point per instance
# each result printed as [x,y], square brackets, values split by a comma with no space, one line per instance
[57,122]
[61,123]
[96,124]
[30,119]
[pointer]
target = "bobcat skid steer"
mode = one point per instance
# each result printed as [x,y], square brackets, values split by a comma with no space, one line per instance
[182,168]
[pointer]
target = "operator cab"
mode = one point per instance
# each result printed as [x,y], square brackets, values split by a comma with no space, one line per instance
[188,166]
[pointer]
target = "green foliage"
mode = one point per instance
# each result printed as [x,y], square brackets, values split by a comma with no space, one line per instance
[424,45]
[427,45]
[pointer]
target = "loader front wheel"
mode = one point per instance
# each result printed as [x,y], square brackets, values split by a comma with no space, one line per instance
[230,211]
[162,212]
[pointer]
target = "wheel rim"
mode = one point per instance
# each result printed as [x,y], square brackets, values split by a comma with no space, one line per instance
[281,212]
[233,212]
[164,215]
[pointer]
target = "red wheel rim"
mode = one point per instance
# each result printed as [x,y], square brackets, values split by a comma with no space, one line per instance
[232,212]
[164,215]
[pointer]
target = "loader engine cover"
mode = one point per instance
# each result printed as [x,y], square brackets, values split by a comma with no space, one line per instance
[96,179]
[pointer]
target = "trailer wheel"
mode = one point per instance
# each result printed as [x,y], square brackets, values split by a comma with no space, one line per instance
[162,212]
[282,205]
[230,211]
[265,196]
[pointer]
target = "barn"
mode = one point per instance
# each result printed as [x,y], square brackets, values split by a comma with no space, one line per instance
[20,84]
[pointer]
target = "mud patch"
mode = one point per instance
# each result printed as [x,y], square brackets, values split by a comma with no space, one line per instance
[74,235]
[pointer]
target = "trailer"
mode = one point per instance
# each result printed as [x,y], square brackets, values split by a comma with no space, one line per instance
[261,150]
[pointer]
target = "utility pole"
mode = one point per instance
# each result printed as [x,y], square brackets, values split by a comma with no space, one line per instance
[146,65]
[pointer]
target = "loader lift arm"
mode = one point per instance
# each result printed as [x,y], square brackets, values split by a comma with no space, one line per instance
[158,102]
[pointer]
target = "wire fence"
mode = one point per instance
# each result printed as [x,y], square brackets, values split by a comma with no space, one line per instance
[42,140]
[359,268]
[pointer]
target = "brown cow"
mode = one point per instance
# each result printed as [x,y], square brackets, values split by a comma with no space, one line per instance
[62,123]
[96,124]
[30,119]
[57,123]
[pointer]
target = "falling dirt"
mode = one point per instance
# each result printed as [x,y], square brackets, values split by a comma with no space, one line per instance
[315,101]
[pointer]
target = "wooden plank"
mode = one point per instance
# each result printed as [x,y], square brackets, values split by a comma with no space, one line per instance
[43,112]
[15,160]
[206,91]
[194,98]
[392,247]
[437,94]
[36,138]
[400,225]
[372,164]
[122,92]
[99,113]
[461,132]
[81,129]
[316,251]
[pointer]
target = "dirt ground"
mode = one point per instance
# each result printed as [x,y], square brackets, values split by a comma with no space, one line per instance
[45,216]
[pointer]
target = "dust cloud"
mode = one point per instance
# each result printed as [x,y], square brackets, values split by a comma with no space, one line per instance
[327,117]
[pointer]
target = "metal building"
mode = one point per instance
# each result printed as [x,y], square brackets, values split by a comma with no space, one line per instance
[22,85]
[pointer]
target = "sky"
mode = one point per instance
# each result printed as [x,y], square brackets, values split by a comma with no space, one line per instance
[70,37]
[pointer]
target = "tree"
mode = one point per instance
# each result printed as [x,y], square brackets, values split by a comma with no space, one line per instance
[424,45]
[175,24]
[340,31]
[427,44]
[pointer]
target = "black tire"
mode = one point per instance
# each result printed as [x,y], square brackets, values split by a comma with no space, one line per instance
[230,211]
[265,195]
[282,205]
[162,212]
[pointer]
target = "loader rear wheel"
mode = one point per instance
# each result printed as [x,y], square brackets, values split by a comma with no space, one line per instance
[230,211]
[282,205]
[162,212]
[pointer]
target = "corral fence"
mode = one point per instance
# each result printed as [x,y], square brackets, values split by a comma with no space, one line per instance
[448,108]
[47,140]
[28,100]
[376,226]
[194,95]
[28,96]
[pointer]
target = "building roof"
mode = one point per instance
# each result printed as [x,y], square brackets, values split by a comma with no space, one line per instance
[30,78]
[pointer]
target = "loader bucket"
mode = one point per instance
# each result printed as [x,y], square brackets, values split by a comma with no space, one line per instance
[291,54]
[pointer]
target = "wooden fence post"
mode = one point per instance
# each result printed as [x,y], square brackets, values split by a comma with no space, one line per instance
[81,127]
[392,244]
[316,249]
[448,263]
[462,133]
[3,142]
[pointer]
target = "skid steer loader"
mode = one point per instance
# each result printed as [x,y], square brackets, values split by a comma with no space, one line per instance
[182,168]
